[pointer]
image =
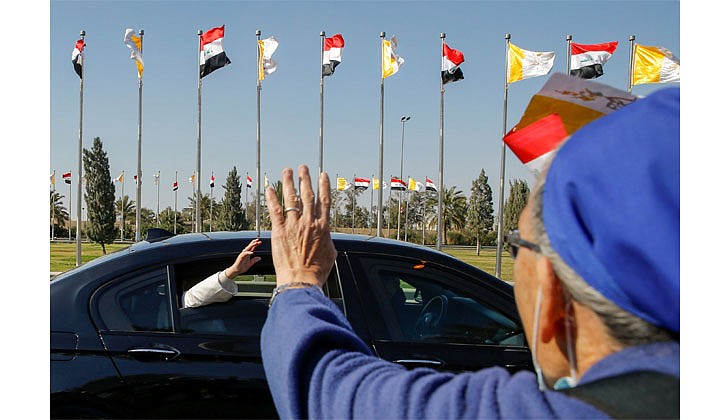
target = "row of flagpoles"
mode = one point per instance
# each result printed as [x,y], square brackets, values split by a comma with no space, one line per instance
[648,64]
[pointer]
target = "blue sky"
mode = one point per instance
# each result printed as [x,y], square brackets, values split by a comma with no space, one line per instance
[290,96]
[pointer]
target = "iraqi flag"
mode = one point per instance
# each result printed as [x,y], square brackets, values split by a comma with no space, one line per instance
[212,181]
[451,60]
[212,55]
[249,181]
[361,184]
[175,186]
[429,185]
[397,184]
[67,177]
[587,59]
[332,54]
[77,57]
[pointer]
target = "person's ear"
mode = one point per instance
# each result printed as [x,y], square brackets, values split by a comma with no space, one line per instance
[552,316]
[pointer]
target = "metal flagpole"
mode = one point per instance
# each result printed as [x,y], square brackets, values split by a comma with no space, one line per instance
[568,54]
[257,159]
[404,119]
[353,204]
[121,205]
[406,211]
[499,250]
[53,208]
[381,144]
[321,127]
[389,211]
[70,201]
[246,196]
[196,194]
[424,209]
[139,152]
[175,202]
[157,182]
[80,148]
[335,204]
[442,131]
[212,175]
[631,63]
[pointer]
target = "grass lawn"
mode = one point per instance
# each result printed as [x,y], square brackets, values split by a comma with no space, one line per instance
[63,257]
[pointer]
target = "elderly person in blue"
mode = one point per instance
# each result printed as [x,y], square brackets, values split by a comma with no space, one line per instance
[596,284]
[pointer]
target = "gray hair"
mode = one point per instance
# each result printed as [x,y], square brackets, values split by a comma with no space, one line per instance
[624,327]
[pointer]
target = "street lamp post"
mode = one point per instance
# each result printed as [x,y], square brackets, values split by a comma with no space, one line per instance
[404,119]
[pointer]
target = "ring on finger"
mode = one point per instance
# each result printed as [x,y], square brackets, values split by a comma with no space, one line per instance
[291,209]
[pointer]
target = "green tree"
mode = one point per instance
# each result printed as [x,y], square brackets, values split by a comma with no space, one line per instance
[167,221]
[59,215]
[517,198]
[230,216]
[479,217]
[126,209]
[99,195]
[453,210]
[205,205]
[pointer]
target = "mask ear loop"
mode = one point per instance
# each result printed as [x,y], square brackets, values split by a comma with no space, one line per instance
[569,341]
[534,337]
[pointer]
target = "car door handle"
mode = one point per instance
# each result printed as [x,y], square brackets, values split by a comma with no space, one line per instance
[419,363]
[150,354]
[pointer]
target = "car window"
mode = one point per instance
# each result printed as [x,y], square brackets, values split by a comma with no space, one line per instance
[245,313]
[139,303]
[421,302]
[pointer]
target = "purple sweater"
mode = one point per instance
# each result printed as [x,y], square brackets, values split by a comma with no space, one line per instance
[317,367]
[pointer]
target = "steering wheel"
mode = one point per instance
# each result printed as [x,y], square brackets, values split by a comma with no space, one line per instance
[431,316]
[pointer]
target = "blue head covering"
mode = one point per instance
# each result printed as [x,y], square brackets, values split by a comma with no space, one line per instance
[611,206]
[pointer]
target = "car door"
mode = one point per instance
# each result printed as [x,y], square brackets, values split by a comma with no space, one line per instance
[175,373]
[423,314]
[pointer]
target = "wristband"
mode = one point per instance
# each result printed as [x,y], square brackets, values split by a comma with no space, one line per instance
[294,285]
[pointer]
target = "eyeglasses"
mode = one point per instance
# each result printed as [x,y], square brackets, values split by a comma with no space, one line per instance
[514,240]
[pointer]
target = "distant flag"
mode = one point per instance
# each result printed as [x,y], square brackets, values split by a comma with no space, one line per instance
[654,65]
[397,184]
[135,179]
[135,45]
[587,59]
[192,178]
[332,54]
[67,177]
[266,181]
[175,186]
[249,181]
[451,61]
[156,178]
[53,179]
[212,55]
[212,181]
[266,64]
[561,107]
[429,185]
[120,178]
[361,184]
[342,184]
[391,62]
[77,57]
[376,184]
[524,64]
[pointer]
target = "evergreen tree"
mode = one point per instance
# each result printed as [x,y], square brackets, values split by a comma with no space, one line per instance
[127,216]
[517,199]
[230,215]
[479,216]
[99,195]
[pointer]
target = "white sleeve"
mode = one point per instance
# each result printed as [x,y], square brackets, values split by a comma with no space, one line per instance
[216,288]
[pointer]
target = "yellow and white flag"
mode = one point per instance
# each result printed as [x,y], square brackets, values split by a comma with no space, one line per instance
[524,64]
[391,62]
[342,184]
[266,64]
[654,65]
[120,178]
[135,45]
[412,185]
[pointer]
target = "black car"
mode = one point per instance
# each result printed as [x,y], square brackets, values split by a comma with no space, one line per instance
[122,346]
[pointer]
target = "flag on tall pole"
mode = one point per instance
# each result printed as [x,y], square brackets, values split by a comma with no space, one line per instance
[342,184]
[429,185]
[397,184]
[451,60]
[212,54]
[249,181]
[266,64]
[77,57]
[134,43]
[391,62]
[67,177]
[333,48]
[175,186]
[654,65]
[587,60]
[361,184]
[524,64]
[212,181]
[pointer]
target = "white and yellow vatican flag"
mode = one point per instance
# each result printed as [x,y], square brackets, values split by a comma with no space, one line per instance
[266,64]
[135,45]
[391,62]
[654,65]
[524,64]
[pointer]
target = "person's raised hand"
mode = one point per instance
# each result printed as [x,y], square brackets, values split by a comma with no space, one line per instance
[301,243]
[244,261]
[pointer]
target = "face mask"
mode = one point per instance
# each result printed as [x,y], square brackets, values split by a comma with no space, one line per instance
[534,336]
